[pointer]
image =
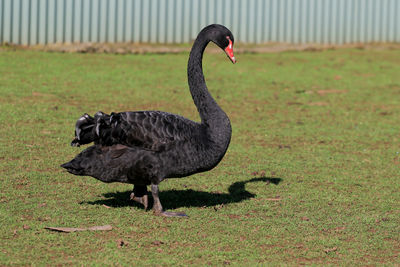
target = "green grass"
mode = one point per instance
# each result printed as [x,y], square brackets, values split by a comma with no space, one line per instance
[311,175]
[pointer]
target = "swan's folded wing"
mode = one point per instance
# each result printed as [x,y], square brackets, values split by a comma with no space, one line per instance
[151,130]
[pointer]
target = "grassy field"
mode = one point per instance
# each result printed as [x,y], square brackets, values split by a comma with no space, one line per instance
[311,175]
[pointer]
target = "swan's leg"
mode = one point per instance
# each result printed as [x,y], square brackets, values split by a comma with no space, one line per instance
[139,195]
[157,207]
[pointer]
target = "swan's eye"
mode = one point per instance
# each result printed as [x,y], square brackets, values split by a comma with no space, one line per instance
[230,42]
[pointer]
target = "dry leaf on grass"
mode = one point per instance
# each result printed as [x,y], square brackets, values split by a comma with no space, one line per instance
[327,250]
[274,199]
[331,91]
[157,242]
[319,104]
[71,229]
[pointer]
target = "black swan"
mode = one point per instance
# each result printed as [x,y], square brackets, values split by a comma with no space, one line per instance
[145,147]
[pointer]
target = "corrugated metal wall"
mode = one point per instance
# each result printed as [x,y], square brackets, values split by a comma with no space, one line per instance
[178,21]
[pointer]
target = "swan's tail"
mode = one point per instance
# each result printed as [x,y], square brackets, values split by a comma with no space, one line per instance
[84,130]
[87,129]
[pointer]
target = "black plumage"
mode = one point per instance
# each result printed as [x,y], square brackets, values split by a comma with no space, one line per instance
[145,147]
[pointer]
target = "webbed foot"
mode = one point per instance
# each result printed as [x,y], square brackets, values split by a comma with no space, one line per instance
[144,200]
[157,207]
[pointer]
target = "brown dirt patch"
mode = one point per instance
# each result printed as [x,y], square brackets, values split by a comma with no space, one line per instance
[144,48]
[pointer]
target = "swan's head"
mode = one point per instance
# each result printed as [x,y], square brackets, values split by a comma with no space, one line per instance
[222,36]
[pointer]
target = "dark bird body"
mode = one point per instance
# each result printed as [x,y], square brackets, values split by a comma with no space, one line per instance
[145,147]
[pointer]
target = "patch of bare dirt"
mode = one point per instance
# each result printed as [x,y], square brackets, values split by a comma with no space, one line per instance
[143,48]
[318,104]
[331,91]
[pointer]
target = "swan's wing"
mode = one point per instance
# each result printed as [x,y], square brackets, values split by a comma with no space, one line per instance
[151,130]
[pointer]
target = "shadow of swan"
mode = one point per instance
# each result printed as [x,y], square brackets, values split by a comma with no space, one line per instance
[173,199]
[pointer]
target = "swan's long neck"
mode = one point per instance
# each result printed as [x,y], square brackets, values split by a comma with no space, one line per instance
[212,116]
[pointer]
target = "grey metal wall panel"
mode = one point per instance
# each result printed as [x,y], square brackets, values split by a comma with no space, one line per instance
[30,22]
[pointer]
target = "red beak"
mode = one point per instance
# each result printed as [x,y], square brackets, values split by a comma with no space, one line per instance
[229,52]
